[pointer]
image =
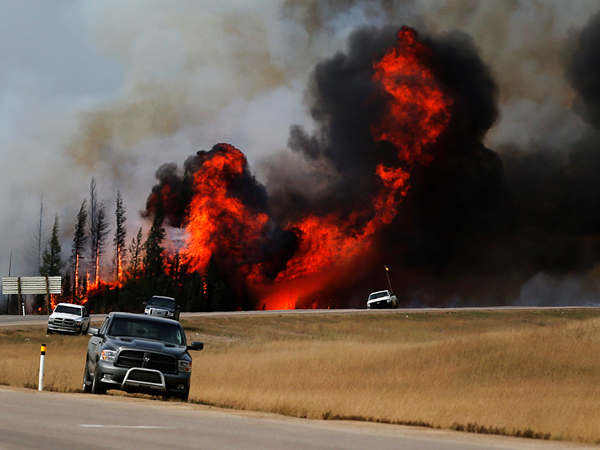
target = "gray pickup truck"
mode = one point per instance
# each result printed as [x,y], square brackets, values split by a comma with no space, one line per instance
[138,353]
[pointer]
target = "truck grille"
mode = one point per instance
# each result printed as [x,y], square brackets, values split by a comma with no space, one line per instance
[144,376]
[156,361]
[67,323]
[380,304]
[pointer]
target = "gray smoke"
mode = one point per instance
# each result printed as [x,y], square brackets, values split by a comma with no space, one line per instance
[546,290]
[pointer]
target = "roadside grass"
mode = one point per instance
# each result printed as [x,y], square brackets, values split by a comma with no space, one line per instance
[525,373]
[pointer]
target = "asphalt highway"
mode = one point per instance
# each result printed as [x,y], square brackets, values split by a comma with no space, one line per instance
[12,320]
[30,419]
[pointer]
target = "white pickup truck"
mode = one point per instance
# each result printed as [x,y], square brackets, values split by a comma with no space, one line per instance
[69,318]
[382,299]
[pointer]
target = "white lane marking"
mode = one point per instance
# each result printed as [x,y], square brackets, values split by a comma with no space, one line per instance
[140,427]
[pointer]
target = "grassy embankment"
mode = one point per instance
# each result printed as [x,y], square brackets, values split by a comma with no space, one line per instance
[526,373]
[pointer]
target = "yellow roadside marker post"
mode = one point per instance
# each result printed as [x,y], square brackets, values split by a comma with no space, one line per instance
[41,378]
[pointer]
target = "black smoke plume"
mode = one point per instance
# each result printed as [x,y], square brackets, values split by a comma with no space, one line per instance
[584,70]
[461,195]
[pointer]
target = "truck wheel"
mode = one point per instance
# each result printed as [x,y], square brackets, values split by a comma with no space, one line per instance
[48,331]
[97,386]
[185,395]
[87,383]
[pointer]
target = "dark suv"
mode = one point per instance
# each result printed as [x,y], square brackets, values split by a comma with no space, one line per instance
[138,353]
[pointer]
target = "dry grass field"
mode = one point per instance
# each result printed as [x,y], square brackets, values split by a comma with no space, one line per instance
[532,373]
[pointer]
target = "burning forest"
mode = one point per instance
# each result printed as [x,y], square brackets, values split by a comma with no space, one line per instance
[387,118]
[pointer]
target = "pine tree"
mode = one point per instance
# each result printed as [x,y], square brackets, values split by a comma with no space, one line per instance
[92,214]
[79,241]
[153,259]
[99,239]
[120,235]
[66,285]
[135,254]
[51,262]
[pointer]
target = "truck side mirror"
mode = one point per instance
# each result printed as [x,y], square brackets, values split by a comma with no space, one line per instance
[93,331]
[196,346]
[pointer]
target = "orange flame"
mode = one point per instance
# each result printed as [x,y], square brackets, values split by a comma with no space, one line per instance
[215,216]
[419,109]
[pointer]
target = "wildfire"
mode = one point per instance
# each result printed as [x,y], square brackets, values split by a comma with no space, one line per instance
[223,220]
[218,220]
[417,112]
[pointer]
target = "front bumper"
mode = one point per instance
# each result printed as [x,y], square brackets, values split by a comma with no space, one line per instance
[121,378]
[65,328]
[159,313]
[380,304]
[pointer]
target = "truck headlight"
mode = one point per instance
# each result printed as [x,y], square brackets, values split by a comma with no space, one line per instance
[108,355]
[185,366]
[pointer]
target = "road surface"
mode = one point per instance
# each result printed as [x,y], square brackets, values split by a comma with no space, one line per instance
[30,419]
[12,320]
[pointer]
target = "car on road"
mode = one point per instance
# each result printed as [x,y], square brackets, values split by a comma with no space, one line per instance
[69,318]
[162,307]
[139,353]
[382,299]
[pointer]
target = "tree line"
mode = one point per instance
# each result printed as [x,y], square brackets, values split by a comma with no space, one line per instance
[136,269]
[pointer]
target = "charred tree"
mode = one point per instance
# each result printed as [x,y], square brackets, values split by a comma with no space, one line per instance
[153,259]
[79,241]
[51,261]
[120,235]
[135,254]
[93,211]
[98,240]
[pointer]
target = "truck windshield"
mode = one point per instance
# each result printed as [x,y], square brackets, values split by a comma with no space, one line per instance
[162,302]
[68,310]
[378,295]
[146,329]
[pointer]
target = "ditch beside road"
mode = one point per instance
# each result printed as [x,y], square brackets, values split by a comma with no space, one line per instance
[51,420]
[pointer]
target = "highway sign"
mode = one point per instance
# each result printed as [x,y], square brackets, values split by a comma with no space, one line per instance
[31,285]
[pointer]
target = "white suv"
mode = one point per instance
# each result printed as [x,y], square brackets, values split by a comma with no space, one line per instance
[69,318]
